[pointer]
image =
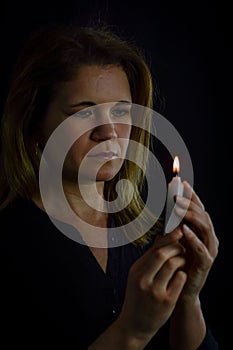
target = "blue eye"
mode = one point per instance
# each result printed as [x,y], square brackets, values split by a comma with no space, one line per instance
[84,113]
[120,112]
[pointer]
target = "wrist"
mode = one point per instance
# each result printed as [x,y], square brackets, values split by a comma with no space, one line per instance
[188,301]
[120,336]
[187,326]
[131,339]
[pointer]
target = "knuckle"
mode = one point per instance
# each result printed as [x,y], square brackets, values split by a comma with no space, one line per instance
[167,301]
[134,274]
[160,254]
[173,263]
[143,284]
[201,249]
[216,248]
[208,221]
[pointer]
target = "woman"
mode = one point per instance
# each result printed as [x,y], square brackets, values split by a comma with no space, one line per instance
[141,295]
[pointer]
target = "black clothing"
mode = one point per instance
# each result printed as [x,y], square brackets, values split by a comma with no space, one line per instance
[54,293]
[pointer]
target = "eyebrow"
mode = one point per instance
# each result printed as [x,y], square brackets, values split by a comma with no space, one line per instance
[90,103]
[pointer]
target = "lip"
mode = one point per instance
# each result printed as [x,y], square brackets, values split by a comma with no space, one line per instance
[104,155]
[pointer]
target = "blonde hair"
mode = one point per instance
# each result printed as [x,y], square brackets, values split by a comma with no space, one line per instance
[49,57]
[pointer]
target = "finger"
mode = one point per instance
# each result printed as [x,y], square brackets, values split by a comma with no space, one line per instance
[188,190]
[186,204]
[182,202]
[176,284]
[153,260]
[201,224]
[210,242]
[193,213]
[191,194]
[166,273]
[162,240]
[194,242]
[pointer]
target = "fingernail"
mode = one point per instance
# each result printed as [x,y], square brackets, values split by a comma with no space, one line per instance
[179,199]
[179,211]
[186,229]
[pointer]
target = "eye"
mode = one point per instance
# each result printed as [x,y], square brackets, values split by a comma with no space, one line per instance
[120,112]
[84,113]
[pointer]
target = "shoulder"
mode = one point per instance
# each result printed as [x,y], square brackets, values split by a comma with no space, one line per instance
[22,221]
[10,213]
[27,226]
[19,212]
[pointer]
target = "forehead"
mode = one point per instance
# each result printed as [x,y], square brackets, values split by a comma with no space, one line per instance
[98,84]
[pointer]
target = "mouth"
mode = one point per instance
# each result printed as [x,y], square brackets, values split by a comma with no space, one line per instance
[104,155]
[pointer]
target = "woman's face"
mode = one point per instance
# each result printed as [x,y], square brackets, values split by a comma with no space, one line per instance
[101,95]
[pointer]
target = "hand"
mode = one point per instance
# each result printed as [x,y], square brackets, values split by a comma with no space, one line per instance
[199,241]
[155,282]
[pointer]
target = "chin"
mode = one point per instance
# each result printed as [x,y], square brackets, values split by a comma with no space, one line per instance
[105,176]
[107,172]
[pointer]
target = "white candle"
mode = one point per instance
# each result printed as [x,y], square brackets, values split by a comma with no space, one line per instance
[175,187]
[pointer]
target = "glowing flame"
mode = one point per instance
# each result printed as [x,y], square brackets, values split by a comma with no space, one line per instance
[176,165]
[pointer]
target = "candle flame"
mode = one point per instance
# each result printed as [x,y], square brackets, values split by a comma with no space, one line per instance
[176,165]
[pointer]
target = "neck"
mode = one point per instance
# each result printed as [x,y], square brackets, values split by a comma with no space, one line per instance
[84,210]
[87,201]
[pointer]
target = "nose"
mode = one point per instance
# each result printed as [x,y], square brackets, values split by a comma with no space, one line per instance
[104,132]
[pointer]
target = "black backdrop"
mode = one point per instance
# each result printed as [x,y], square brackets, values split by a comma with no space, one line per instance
[189,47]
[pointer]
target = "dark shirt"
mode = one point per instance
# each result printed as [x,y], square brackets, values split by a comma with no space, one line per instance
[54,292]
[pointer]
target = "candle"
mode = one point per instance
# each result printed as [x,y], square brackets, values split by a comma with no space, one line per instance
[175,187]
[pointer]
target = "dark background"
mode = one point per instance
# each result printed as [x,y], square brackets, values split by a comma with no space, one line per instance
[189,48]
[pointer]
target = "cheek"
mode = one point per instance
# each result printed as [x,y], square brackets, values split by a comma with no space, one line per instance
[124,131]
[127,133]
[124,134]
[77,150]
[81,144]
